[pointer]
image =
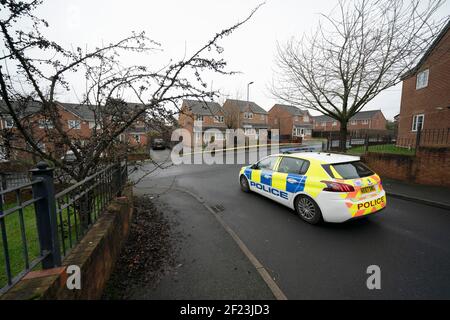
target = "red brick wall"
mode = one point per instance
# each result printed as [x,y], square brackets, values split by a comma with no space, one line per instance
[431,166]
[434,100]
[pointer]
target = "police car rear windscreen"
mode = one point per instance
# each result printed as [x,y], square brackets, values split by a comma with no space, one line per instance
[352,170]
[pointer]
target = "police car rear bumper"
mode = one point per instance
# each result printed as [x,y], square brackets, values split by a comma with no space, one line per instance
[335,210]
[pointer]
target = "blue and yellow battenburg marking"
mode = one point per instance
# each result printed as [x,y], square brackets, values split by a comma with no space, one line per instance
[279,184]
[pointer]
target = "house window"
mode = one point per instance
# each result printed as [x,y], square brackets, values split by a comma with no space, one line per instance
[45,124]
[353,122]
[137,138]
[219,119]
[276,120]
[418,121]
[41,146]
[298,132]
[365,122]
[199,118]
[9,123]
[248,115]
[334,123]
[324,124]
[263,117]
[296,119]
[306,119]
[74,124]
[422,79]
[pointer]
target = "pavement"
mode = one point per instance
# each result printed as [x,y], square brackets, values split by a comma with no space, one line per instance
[408,241]
[210,265]
[430,195]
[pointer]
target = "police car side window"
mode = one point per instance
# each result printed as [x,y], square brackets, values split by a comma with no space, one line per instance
[293,166]
[267,164]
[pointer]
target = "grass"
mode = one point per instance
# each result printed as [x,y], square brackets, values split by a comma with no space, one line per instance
[387,148]
[14,237]
[15,244]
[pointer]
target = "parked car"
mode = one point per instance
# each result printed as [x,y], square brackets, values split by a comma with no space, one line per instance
[158,144]
[318,186]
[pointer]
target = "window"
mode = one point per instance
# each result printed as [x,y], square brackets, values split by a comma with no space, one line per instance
[352,170]
[219,119]
[324,124]
[199,118]
[9,123]
[299,132]
[306,119]
[248,115]
[334,123]
[41,146]
[293,166]
[276,120]
[263,117]
[74,124]
[296,119]
[137,138]
[422,79]
[266,164]
[418,121]
[365,122]
[353,122]
[45,124]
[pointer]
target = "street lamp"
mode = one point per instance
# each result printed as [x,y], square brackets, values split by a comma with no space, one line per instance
[248,91]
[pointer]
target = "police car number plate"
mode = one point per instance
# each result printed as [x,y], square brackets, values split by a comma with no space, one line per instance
[368,189]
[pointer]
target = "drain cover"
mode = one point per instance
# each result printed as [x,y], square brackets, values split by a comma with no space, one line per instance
[218,208]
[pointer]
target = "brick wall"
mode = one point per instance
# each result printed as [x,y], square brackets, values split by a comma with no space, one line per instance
[431,166]
[432,101]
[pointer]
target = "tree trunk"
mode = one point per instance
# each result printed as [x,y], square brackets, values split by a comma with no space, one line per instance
[343,137]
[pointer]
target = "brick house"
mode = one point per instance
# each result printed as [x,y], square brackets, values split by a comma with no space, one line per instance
[292,122]
[425,100]
[77,120]
[247,116]
[364,120]
[198,116]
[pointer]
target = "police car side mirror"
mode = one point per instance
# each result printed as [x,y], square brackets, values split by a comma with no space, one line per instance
[255,167]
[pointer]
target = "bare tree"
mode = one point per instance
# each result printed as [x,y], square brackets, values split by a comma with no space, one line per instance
[361,49]
[34,68]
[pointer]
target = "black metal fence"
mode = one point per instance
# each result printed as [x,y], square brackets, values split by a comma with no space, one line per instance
[364,141]
[39,226]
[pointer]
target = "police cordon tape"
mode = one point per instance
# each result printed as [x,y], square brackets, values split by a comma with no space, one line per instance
[244,148]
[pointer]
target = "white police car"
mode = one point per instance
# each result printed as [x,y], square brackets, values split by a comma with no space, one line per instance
[318,186]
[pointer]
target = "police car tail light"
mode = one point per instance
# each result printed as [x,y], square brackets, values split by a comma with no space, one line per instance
[338,187]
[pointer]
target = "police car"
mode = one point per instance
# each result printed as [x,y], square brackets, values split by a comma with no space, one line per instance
[318,186]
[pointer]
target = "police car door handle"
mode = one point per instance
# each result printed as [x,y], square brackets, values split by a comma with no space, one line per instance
[292,181]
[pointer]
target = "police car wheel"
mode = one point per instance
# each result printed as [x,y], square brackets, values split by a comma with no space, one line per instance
[244,184]
[308,210]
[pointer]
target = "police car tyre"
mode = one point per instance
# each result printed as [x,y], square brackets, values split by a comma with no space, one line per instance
[307,209]
[244,184]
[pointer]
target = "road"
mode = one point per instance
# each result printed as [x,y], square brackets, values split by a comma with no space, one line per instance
[408,241]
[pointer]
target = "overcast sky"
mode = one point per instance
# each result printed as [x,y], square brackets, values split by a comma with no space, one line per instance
[177,24]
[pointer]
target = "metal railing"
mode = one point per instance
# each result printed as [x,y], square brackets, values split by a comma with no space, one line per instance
[39,226]
[363,142]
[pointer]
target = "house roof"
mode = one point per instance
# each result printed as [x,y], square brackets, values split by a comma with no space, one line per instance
[436,41]
[84,112]
[295,111]
[87,113]
[242,105]
[22,109]
[362,115]
[203,108]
